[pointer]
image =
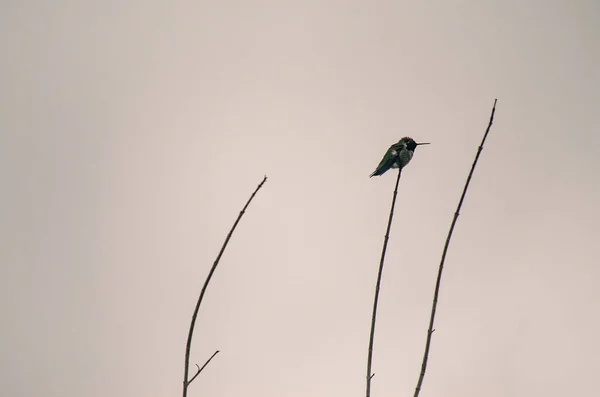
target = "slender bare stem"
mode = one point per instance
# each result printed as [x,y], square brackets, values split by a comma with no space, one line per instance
[188,346]
[201,368]
[430,330]
[376,300]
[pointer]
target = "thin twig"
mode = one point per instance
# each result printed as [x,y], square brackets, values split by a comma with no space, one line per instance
[210,274]
[375,301]
[200,369]
[430,330]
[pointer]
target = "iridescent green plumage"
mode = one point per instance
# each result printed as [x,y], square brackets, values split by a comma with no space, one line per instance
[397,156]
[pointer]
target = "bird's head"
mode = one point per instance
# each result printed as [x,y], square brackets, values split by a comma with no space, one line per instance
[410,143]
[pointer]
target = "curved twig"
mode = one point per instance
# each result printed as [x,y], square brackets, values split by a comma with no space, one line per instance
[430,330]
[376,300]
[210,274]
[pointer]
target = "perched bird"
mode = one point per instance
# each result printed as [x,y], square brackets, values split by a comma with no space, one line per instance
[397,156]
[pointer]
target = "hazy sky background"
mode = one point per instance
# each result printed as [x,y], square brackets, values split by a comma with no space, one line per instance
[132,132]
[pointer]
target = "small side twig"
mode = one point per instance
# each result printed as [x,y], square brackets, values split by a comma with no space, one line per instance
[200,369]
[188,345]
[430,330]
[377,286]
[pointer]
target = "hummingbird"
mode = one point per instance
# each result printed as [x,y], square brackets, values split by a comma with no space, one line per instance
[397,156]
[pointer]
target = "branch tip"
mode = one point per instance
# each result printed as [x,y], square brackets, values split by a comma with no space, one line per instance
[201,368]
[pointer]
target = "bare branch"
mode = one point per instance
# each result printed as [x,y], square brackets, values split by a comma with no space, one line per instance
[210,274]
[200,369]
[441,267]
[377,286]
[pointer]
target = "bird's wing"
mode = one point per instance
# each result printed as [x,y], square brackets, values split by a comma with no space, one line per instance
[388,159]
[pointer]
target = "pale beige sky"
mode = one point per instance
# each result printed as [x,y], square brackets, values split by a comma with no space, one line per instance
[133,132]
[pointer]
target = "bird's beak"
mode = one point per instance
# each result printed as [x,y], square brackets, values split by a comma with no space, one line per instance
[423,143]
